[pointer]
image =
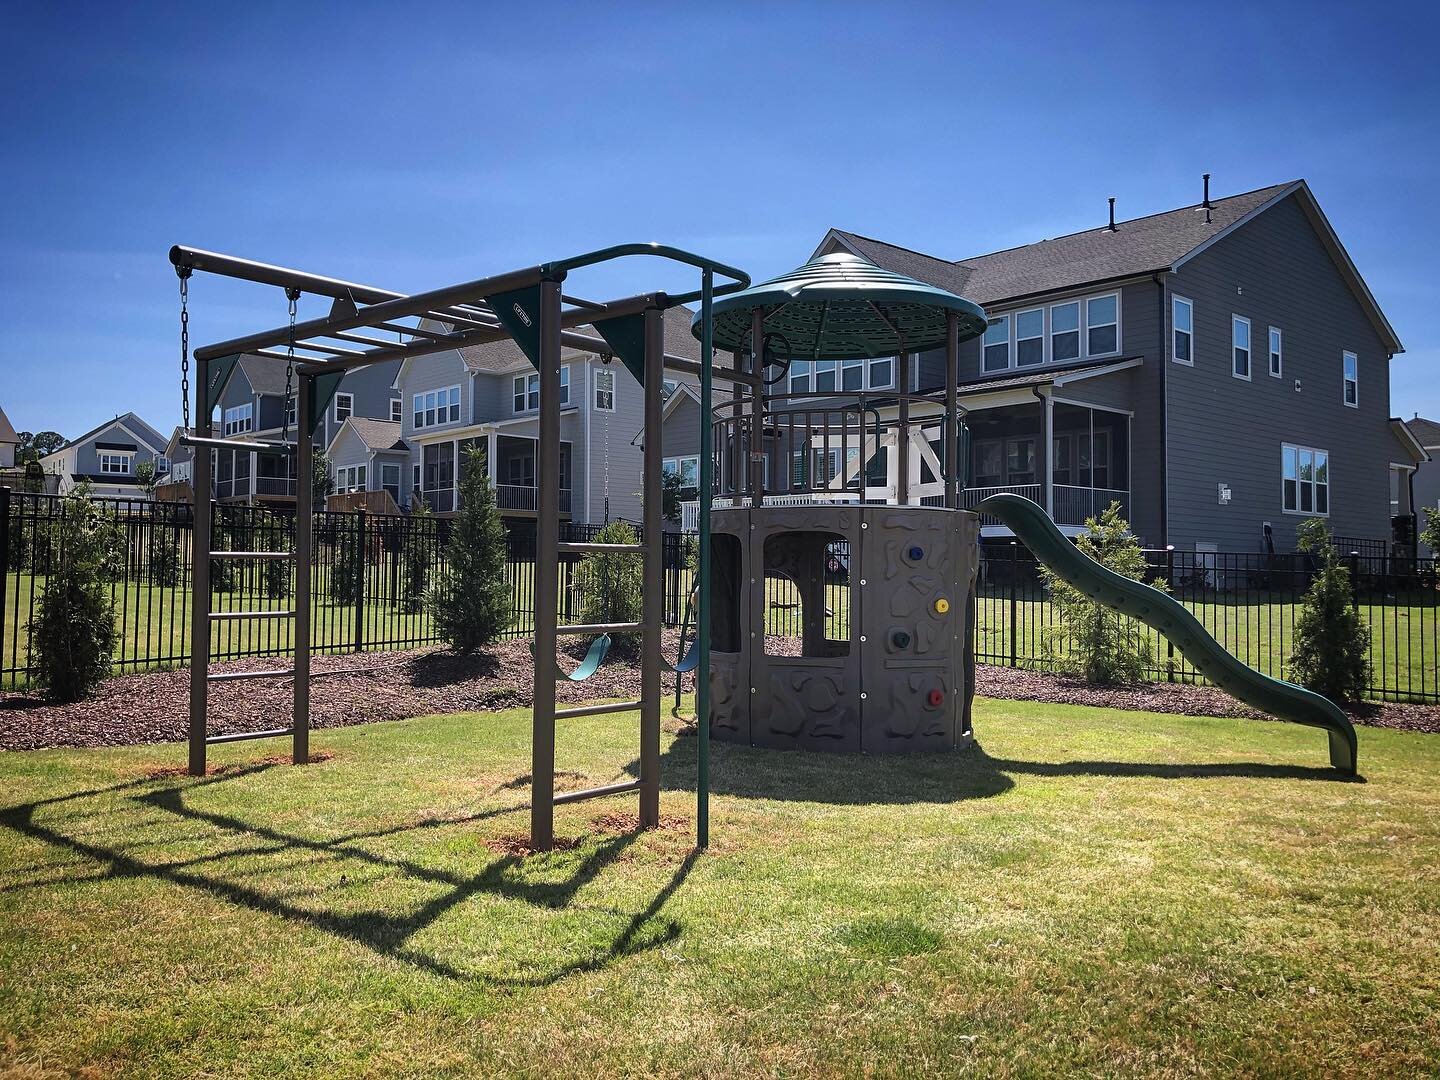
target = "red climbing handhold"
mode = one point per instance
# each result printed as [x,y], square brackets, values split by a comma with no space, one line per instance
[937,698]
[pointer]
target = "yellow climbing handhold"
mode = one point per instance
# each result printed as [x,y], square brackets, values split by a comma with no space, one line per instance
[942,606]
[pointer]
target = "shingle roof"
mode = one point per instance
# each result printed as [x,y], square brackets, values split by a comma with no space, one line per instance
[138,427]
[1039,378]
[378,434]
[1426,432]
[7,429]
[264,375]
[1139,246]
[502,355]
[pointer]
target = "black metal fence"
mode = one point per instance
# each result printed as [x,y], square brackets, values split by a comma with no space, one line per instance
[1248,601]
[371,576]
[372,573]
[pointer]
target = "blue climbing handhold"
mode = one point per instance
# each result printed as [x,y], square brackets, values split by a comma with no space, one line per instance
[916,553]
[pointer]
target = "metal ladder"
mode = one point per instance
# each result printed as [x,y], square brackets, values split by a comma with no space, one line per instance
[203,618]
[548,548]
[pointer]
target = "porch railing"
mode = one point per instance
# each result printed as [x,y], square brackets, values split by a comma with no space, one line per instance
[1073,504]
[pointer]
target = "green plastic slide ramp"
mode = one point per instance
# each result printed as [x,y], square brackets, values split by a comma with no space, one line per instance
[1286,701]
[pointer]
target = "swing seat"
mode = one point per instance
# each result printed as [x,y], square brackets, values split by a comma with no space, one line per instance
[688,663]
[591,664]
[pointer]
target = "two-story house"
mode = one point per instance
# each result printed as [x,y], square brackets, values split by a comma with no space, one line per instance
[107,458]
[1221,370]
[253,406]
[488,396]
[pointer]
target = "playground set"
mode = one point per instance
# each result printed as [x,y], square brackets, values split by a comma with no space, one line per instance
[787,480]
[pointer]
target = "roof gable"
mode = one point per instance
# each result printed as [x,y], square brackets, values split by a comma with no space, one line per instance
[7,430]
[129,423]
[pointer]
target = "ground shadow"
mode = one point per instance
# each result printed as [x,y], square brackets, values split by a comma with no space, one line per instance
[436,669]
[1165,771]
[383,932]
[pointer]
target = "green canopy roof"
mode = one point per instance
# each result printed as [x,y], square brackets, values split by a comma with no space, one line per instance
[843,307]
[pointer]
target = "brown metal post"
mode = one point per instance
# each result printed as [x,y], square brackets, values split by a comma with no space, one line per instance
[902,436]
[755,466]
[952,419]
[547,583]
[736,466]
[304,549]
[653,615]
[200,574]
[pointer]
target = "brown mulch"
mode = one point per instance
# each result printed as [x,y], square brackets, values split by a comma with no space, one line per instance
[614,822]
[518,846]
[153,707]
[1018,684]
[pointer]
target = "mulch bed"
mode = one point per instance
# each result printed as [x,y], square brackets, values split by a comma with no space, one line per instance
[153,707]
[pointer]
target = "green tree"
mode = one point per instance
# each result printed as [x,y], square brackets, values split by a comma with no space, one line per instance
[34,445]
[612,585]
[145,477]
[1093,641]
[416,547]
[275,533]
[1330,650]
[72,635]
[672,492]
[322,485]
[1430,531]
[348,566]
[471,599]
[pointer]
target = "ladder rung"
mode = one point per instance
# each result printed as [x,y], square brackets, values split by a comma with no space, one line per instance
[238,444]
[235,676]
[597,710]
[252,614]
[600,549]
[602,628]
[241,736]
[252,554]
[597,792]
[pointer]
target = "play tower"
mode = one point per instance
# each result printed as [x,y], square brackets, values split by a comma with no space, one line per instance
[849,499]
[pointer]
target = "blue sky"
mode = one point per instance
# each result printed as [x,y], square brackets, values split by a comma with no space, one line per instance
[409,146]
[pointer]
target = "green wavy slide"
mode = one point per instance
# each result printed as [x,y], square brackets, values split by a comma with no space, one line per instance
[1286,701]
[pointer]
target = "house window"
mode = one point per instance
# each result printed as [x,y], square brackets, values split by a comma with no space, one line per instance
[882,372]
[1020,461]
[1102,324]
[1240,341]
[1182,319]
[436,407]
[344,406]
[162,465]
[1352,380]
[1063,461]
[351,478]
[240,418]
[997,344]
[800,376]
[115,464]
[290,405]
[1065,331]
[1030,337]
[989,463]
[605,390]
[525,393]
[520,470]
[1305,479]
[397,411]
[1094,454]
[688,470]
[1276,361]
[825,375]
[415,477]
[390,480]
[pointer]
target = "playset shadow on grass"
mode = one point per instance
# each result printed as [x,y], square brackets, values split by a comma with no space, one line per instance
[787,480]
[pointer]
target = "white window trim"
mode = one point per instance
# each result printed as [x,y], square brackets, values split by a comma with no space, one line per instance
[1235,321]
[349,407]
[522,379]
[1329,481]
[125,457]
[1050,331]
[397,410]
[1276,335]
[417,406]
[1175,301]
[866,366]
[1009,344]
[242,416]
[1345,379]
[1043,336]
[1012,340]
[614,390]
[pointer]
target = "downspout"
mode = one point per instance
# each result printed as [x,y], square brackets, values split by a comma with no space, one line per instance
[1164,422]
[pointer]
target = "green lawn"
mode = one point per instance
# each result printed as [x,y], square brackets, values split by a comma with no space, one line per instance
[1095,892]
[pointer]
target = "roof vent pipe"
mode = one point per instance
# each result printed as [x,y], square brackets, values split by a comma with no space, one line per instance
[1206,202]
[1112,213]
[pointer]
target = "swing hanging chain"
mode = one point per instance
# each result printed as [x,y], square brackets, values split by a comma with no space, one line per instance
[293,295]
[183,273]
[606,359]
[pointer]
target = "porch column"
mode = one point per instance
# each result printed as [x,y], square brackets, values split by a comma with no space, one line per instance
[1047,454]
[254,477]
[490,449]
[902,437]
[1091,414]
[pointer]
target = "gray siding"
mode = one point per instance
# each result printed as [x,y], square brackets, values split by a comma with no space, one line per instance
[431,372]
[681,434]
[1427,492]
[1276,272]
[370,388]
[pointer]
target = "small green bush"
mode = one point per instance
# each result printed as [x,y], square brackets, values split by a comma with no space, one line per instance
[471,599]
[72,635]
[612,586]
[1092,641]
[1330,653]
[164,556]
[415,557]
[348,565]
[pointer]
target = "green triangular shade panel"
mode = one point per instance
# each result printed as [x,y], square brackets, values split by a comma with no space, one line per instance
[220,371]
[519,313]
[322,390]
[626,335]
[843,307]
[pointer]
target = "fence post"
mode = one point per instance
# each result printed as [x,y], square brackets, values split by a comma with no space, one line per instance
[1014,602]
[1355,580]
[1169,584]
[4,560]
[361,566]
